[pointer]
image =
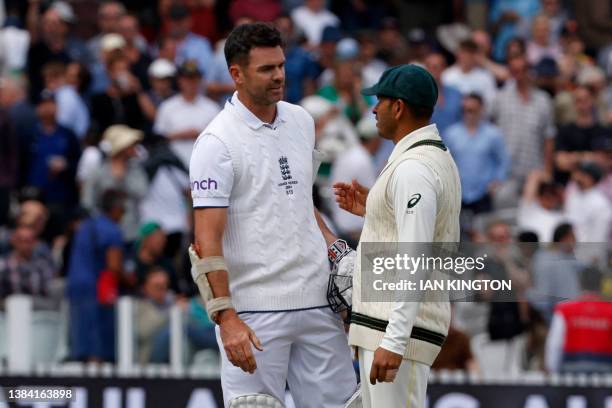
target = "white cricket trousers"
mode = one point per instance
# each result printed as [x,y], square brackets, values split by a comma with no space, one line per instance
[307,349]
[408,390]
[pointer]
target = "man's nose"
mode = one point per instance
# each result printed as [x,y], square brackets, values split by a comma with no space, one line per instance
[279,74]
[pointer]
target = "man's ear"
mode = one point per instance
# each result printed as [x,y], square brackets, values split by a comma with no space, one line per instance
[236,73]
[399,107]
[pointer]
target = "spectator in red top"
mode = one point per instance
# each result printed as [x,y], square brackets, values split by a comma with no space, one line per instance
[580,336]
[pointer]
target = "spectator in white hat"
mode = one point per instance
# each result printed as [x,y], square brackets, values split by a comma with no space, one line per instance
[111,46]
[120,170]
[161,75]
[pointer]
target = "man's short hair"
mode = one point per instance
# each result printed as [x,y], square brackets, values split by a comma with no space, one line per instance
[476,96]
[527,236]
[244,38]
[54,69]
[547,188]
[420,112]
[111,199]
[562,231]
[468,45]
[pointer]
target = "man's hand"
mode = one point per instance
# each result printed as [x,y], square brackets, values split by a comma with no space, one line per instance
[237,338]
[385,366]
[351,197]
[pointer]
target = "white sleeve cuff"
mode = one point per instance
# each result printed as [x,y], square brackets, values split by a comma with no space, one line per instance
[204,202]
[393,346]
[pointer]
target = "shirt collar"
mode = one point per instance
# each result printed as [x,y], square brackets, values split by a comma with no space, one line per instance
[429,132]
[249,117]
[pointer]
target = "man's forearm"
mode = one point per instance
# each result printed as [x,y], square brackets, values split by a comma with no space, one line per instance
[184,135]
[329,236]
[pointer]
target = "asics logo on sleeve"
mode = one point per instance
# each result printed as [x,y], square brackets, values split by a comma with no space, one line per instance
[414,200]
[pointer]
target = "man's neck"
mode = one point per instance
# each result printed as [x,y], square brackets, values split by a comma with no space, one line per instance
[190,97]
[523,88]
[466,69]
[265,113]
[472,127]
[585,120]
[48,126]
[405,130]
[145,256]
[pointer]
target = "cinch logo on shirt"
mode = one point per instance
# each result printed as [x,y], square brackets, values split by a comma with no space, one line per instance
[209,184]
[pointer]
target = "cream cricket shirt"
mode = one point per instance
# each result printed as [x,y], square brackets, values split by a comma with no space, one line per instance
[263,174]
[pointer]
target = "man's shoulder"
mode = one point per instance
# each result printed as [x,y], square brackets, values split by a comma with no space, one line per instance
[541,96]
[222,125]
[457,128]
[294,112]
[492,129]
[171,102]
[451,72]
[208,103]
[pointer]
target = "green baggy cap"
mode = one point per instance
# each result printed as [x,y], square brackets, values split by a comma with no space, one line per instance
[409,82]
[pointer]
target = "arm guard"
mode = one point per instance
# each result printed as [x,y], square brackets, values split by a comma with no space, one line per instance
[199,268]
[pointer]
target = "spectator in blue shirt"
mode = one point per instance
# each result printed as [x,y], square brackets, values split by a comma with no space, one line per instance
[189,45]
[97,248]
[71,109]
[53,156]
[479,151]
[447,111]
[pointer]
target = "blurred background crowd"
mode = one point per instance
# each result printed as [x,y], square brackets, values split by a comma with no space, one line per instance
[101,101]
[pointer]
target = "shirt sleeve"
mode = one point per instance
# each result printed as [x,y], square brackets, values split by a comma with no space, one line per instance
[550,131]
[501,157]
[113,238]
[211,173]
[161,126]
[555,342]
[413,195]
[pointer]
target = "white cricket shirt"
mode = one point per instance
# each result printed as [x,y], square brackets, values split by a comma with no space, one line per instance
[263,174]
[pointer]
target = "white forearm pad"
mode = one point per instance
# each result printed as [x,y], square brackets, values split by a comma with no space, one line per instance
[199,268]
[346,265]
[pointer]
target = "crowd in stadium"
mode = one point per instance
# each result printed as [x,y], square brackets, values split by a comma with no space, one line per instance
[101,102]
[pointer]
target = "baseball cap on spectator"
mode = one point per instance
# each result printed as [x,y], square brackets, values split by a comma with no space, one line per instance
[331,34]
[547,67]
[147,229]
[112,41]
[408,82]
[366,128]
[161,68]
[592,169]
[189,68]
[119,137]
[178,12]
[347,48]
[64,10]
[316,106]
